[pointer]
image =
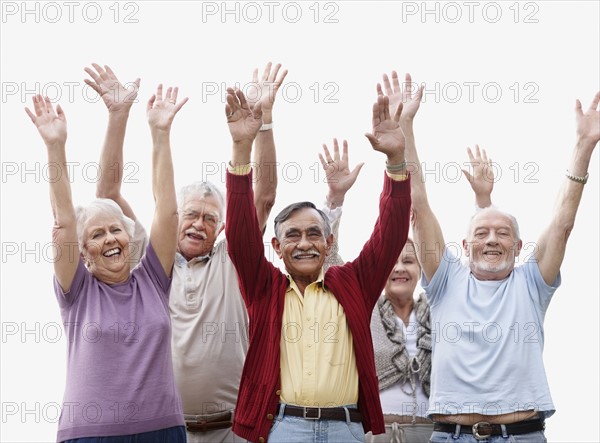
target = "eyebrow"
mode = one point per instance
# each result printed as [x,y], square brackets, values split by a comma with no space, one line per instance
[310,229]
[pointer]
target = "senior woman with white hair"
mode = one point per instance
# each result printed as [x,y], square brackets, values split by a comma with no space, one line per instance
[120,384]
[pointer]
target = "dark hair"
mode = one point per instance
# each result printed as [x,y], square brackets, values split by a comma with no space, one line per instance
[287,212]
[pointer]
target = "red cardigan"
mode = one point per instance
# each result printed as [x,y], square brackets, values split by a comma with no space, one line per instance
[356,285]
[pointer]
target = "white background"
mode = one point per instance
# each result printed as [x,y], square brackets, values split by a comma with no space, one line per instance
[540,60]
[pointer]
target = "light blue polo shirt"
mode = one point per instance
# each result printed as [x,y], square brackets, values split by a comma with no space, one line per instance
[488,340]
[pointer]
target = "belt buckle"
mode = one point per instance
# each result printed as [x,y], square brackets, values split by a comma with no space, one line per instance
[476,433]
[305,410]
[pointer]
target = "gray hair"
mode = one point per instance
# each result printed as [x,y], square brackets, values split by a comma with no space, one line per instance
[287,212]
[513,221]
[101,206]
[202,189]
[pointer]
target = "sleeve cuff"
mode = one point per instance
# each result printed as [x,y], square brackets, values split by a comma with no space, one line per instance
[239,169]
[397,177]
[332,214]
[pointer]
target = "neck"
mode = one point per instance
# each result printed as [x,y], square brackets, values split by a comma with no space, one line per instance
[483,275]
[303,281]
[403,306]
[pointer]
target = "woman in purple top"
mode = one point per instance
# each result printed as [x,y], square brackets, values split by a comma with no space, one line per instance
[120,385]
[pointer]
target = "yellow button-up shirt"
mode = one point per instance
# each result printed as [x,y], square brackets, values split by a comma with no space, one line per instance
[318,364]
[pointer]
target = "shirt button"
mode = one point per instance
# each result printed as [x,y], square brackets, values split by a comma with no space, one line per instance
[269,416]
[308,318]
[309,345]
[309,373]
[261,440]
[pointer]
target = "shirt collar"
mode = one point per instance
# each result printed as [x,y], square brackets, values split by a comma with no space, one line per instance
[320,280]
[180,260]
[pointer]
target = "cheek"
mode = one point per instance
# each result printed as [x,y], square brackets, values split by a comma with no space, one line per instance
[91,250]
[183,227]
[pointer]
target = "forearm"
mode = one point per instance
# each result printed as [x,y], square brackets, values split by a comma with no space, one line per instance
[163,177]
[240,154]
[163,234]
[265,160]
[571,191]
[111,158]
[60,188]
[335,216]
[483,200]
[414,167]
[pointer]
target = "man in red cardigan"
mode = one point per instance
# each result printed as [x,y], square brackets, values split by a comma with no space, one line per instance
[309,373]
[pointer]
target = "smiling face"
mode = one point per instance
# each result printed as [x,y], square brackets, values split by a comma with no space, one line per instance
[302,244]
[492,245]
[199,225]
[404,277]
[106,248]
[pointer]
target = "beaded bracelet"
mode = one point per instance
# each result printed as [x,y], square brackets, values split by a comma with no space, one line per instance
[575,178]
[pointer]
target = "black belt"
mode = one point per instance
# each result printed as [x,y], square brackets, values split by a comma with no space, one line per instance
[322,413]
[484,429]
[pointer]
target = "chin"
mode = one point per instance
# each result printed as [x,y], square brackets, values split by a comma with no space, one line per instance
[494,268]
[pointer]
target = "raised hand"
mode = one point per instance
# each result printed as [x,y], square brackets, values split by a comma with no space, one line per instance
[115,96]
[243,122]
[387,136]
[51,125]
[337,172]
[161,112]
[265,89]
[588,123]
[482,179]
[408,95]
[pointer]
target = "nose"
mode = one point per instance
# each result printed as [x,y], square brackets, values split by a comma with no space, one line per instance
[398,267]
[110,237]
[492,238]
[198,223]
[303,243]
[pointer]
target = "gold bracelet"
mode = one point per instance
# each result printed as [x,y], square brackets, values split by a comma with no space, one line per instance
[575,178]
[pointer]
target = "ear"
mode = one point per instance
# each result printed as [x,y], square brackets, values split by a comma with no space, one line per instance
[276,246]
[465,247]
[329,242]
[518,247]
[86,262]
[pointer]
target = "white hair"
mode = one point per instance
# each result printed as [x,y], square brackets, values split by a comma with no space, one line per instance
[513,221]
[202,189]
[101,206]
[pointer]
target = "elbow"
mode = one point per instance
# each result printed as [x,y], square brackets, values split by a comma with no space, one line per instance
[107,192]
[266,202]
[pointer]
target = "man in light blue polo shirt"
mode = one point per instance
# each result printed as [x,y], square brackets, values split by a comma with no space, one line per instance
[488,379]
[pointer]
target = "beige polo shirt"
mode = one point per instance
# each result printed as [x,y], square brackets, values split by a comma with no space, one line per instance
[209,331]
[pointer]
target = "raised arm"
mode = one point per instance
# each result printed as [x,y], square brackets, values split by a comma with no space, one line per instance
[482,179]
[243,233]
[163,234]
[118,101]
[265,91]
[553,242]
[380,252]
[339,180]
[52,126]
[427,232]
